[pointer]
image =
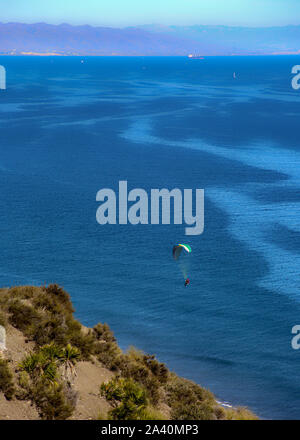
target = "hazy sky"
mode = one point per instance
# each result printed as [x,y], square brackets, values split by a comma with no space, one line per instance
[132,12]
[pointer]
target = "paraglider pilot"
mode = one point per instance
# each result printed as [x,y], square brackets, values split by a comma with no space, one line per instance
[187,282]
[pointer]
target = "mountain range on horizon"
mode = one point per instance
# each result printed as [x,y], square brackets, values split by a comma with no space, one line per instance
[147,40]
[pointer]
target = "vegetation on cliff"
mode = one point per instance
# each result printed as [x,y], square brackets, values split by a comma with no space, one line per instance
[140,387]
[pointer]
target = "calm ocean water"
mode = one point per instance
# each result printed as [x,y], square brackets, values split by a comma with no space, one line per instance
[69,129]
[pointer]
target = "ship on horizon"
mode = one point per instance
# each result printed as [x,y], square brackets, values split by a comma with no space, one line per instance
[196,57]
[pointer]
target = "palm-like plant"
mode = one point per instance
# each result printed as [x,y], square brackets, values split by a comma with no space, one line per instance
[50,373]
[52,352]
[39,365]
[45,362]
[69,357]
[30,363]
[128,398]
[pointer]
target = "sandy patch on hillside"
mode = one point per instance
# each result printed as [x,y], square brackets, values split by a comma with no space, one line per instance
[87,383]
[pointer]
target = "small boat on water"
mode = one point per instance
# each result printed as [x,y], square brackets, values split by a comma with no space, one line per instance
[195,57]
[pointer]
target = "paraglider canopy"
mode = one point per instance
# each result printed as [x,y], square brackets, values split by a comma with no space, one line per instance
[177,249]
[180,255]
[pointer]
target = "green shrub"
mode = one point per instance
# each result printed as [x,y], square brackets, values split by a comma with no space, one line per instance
[23,392]
[23,292]
[39,366]
[44,363]
[108,353]
[127,397]
[158,369]
[84,342]
[6,380]
[3,319]
[49,318]
[52,352]
[193,411]
[105,347]
[49,329]
[41,382]
[129,401]
[151,413]
[68,358]
[240,413]
[47,303]
[45,315]
[104,333]
[220,413]
[61,295]
[51,402]
[144,369]
[23,316]
[189,401]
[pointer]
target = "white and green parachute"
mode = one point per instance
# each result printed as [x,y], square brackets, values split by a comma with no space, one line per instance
[180,253]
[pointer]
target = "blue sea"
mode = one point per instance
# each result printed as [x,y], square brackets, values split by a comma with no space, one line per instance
[71,126]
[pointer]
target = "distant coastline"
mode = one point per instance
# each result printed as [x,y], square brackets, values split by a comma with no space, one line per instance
[54,54]
[42,39]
